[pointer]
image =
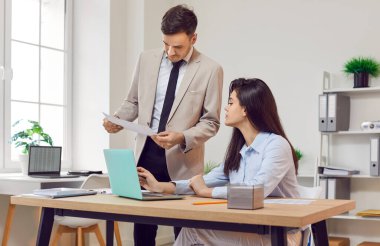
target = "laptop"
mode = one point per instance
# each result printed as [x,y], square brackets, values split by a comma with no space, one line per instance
[45,162]
[124,180]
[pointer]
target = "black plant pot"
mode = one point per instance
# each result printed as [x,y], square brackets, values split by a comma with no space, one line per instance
[360,80]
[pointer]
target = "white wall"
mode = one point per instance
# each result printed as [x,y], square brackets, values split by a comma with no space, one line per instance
[127,41]
[91,78]
[288,44]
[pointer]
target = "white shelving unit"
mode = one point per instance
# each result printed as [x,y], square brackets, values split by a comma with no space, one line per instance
[351,149]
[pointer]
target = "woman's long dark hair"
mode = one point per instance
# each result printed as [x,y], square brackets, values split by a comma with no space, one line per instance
[256,97]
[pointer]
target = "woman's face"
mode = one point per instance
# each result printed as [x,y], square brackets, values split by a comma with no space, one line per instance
[235,113]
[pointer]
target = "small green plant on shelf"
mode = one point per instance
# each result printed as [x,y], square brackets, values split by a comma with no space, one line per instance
[299,153]
[30,134]
[361,68]
[209,165]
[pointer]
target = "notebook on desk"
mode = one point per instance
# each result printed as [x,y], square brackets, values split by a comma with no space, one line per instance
[124,180]
[45,162]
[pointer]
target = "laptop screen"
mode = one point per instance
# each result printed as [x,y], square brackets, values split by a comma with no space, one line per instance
[44,159]
[122,171]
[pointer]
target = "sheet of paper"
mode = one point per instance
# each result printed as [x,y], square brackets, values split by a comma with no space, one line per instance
[144,130]
[287,201]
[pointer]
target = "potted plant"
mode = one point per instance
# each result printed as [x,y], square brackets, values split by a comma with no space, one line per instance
[362,67]
[29,133]
[299,154]
[209,165]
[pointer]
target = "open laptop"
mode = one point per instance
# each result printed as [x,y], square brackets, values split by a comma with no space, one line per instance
[45,162]
[124,180]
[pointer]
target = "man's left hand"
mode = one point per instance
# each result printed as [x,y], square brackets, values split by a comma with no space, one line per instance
[168,139]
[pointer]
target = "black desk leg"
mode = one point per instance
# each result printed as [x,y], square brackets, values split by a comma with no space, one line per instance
[109,232]
[320,233]
[278,236]
[45,227]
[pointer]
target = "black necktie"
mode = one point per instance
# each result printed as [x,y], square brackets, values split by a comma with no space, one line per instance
[170,95]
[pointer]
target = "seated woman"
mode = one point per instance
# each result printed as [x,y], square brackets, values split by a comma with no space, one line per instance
[258,153]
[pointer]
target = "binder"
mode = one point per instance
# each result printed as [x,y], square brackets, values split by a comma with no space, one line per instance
[323,112]
[323,184]
[338,112]
[337,171]
[338,188]
[374,169]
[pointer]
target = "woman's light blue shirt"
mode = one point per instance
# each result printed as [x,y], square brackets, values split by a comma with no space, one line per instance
[268,161]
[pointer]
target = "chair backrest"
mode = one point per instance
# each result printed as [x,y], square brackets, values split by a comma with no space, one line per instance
[310,192]
[96,181]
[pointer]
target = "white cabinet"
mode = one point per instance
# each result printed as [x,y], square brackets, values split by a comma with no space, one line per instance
[351,149]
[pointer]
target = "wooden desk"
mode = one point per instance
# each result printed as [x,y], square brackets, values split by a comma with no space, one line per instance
[273,218]
[16,183]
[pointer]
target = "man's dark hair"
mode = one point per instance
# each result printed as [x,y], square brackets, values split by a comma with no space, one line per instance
[179,19]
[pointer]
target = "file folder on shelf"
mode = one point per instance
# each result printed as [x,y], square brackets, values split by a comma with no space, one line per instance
[323,112]
[337,171]
[335,188]
[338,112]
[369,213]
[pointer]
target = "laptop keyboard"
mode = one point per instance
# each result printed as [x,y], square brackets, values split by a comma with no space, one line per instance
[152,194]
[53,176]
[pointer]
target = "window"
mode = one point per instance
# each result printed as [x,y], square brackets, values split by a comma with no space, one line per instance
[37,52]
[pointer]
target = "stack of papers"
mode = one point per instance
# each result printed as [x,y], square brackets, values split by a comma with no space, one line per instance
[63,192]
[288,201]
[369,213]
[335,170]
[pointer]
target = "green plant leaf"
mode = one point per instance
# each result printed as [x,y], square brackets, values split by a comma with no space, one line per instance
[299,153]
[362,65]
[32,135]
[209,165]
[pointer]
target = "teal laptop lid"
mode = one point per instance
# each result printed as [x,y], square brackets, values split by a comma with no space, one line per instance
[122,172]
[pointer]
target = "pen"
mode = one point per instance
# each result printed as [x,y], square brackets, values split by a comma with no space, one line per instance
[209,202]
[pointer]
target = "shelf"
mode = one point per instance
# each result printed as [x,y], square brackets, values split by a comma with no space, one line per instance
[353,90]
[352,132]
[360,176]
[354,217]
[305,176]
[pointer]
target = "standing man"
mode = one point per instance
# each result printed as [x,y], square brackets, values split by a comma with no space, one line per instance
[177,91]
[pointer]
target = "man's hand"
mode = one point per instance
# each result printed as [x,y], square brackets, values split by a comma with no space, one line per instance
[111,127]
[199,186]
[168,139]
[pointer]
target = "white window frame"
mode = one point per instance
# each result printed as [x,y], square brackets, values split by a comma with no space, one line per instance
[2,75]
[5,151]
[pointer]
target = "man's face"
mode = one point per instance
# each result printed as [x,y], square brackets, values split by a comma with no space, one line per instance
[178,45]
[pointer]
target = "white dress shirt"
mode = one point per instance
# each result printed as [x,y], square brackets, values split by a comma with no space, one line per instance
[162,84]
[268,161]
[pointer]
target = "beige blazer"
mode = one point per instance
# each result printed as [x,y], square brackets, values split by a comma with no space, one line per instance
[195,110]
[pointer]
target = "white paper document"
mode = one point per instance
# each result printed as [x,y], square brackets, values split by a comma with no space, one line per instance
[144,130]
[63,192]
[287,201]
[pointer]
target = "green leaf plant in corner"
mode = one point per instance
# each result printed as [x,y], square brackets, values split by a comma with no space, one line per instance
[299,154]
[209,165]
[30,133]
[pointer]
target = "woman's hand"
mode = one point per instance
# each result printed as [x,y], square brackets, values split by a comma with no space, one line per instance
[199,186]
[148,181]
